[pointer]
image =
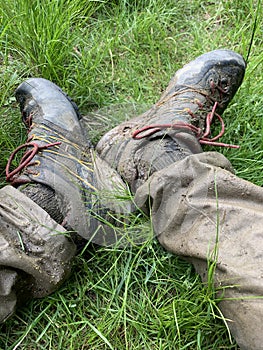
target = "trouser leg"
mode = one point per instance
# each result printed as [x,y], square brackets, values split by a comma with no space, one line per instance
[35,254]
[203,212]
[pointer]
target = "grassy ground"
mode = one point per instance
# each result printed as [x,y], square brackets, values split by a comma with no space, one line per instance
[104,53]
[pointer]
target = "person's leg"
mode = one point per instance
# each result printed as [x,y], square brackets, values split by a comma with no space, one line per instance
[179,122]
[60,170]
[200,210]
[59,186]
[204,213]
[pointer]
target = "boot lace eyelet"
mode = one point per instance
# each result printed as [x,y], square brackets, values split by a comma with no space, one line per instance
[26,160]
[204,137]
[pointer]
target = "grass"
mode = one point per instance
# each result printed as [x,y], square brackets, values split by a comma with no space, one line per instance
[106,53]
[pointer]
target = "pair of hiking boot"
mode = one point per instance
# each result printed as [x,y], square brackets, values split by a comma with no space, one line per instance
[60,157]
[64,184]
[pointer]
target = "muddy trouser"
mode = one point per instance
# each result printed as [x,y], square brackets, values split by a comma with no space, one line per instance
[35,252]
[201,211]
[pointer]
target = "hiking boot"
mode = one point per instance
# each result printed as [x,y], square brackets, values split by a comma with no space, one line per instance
[60,162]
[179,122]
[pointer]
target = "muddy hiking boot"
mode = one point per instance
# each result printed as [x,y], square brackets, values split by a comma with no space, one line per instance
[179,123]
[69,181]
[60,185]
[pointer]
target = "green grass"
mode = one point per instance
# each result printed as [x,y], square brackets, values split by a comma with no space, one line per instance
[105,53]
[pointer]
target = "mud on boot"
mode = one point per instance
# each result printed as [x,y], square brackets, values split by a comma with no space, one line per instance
[179,123]
[59,156]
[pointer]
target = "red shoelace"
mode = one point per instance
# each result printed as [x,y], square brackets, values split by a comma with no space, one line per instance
[28,155]
[148,130]
[26,159]
[203,137]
